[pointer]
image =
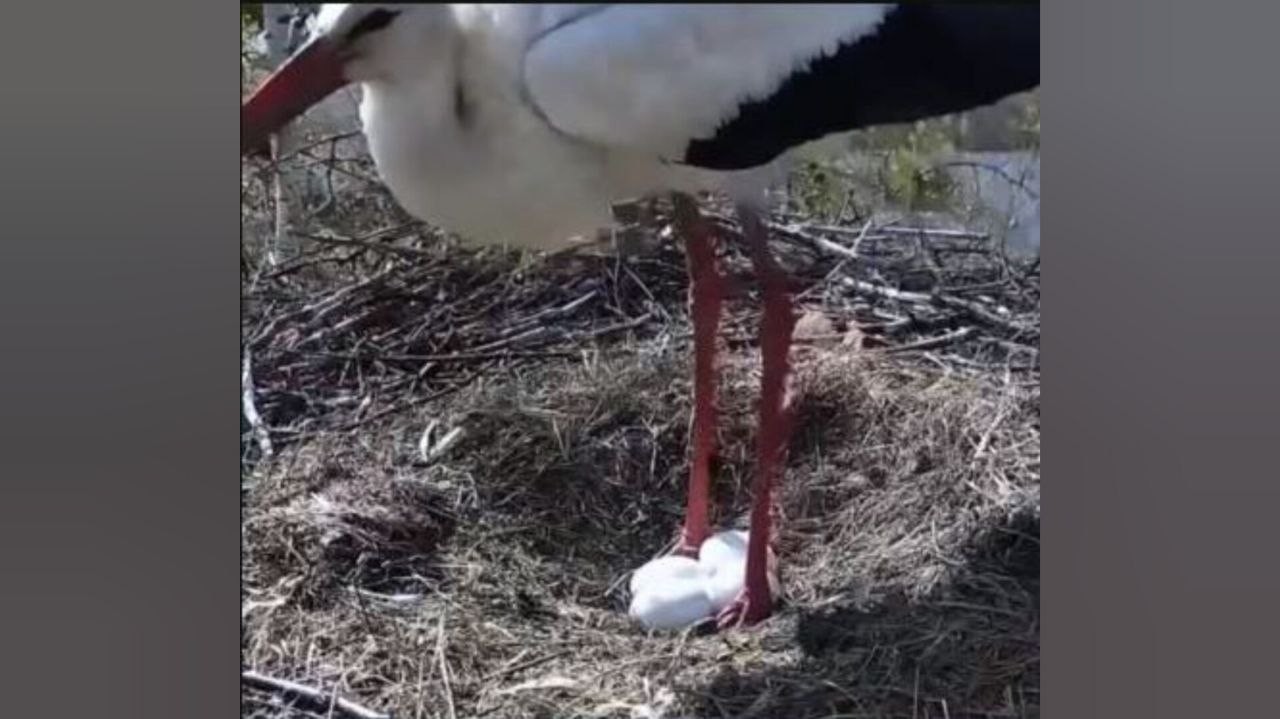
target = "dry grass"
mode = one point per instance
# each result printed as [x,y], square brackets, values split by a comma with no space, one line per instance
[491,581]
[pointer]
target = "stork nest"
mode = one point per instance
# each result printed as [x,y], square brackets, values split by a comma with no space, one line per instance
[454,457]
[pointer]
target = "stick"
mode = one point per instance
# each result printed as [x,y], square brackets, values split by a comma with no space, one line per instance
[335,139]
[934,342]
[527,664]
[550,313]
[456,357]
[821,243]
[444,667]
[800,232]
[973,309]
[409,252]
[997,170]
[884,229]
[250,409]
[986,436]
[315,697]
[537,334]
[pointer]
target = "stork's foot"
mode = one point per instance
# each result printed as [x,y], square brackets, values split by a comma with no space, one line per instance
[745,610]
[695,529]
[686,548]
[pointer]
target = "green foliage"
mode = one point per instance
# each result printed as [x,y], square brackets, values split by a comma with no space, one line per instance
[894,165]
[250,17]
[250,29]
[819,189]
[1025,125]
[910,174]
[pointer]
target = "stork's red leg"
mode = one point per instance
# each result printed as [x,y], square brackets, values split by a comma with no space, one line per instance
[756,600]
[706,296]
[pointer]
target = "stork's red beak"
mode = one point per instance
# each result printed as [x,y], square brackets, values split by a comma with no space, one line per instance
[313,73]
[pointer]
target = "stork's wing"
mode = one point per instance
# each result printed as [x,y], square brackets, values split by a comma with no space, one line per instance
[656,77]
[735,84]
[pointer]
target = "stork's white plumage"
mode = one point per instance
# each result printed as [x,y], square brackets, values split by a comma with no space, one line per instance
[522,124]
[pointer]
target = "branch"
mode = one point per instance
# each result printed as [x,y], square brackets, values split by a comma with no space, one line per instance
[934,342]
[336,138]
[994,169]
[250,409]
[399,251]
[891,230]
[973,309]
[315,697]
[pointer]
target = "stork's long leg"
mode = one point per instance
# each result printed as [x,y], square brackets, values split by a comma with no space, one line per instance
[777,323]
[706,297]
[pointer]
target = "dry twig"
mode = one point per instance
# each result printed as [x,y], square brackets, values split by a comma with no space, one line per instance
[309,695]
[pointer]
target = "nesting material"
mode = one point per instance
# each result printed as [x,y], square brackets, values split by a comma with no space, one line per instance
[568,477]
[486,580]
[677,592]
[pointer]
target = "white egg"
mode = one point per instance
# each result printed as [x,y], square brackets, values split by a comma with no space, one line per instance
[724,548]
[675,592]
[723,560]
[672,606]
[663,569]
[669,593]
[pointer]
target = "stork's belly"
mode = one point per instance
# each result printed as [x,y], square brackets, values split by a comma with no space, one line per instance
[534,217]
[537,196]
[506,178]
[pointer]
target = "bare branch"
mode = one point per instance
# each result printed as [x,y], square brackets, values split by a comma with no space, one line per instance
[314,697]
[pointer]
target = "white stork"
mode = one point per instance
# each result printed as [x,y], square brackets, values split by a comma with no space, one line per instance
[521,124]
